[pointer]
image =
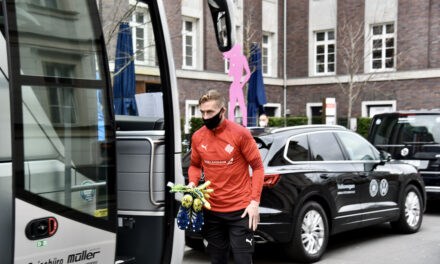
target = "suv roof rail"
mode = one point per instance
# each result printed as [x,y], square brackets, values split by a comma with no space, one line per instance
[276,130]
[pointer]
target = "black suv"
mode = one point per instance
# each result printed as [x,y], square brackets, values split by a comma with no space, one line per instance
[412,137]
[322,180]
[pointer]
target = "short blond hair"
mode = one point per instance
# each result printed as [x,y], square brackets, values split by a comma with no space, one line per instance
[213,95]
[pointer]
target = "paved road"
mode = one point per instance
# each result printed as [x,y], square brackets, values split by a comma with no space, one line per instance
[377,244]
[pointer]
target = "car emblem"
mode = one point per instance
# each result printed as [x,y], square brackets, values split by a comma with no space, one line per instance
[374,187]
[383,187]
[404,152]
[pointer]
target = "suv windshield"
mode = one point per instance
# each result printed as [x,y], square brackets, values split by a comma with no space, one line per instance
[406,129]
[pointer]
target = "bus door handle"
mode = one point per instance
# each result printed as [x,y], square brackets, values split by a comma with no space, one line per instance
[152,200]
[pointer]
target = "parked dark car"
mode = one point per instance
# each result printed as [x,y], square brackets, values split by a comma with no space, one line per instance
[412,137]
[322,180]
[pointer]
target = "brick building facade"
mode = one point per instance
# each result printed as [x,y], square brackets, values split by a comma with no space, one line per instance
[399,55]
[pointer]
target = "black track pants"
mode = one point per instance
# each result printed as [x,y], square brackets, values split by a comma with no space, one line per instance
[228,231]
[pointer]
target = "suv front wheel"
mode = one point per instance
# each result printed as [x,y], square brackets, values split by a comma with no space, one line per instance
[311,234]
[411,212]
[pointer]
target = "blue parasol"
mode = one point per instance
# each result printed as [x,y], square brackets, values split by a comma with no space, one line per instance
[256,93]
[124,83]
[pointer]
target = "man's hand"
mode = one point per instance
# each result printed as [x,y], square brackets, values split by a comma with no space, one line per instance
[254,215]
[191,185]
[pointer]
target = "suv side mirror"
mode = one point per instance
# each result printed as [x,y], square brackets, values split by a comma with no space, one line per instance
[222,12]
[384,156]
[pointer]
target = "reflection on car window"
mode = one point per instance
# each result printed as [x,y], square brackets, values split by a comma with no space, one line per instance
[324,147]
[298,149]
[356,147]
[54,34]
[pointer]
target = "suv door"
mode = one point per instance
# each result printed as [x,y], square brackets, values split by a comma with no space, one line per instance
[380,185]
[338,176]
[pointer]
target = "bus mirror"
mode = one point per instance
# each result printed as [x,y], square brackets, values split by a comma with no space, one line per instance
[222,12]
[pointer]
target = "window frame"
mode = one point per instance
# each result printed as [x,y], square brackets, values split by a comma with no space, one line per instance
[323,162]
[375,152]
[267,46]
[326,42]
[383,49]
[188,105]
[366,104]
[286,150]
[193,34]
[148,34]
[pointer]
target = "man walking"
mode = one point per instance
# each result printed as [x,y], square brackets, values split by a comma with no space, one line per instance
[225,150]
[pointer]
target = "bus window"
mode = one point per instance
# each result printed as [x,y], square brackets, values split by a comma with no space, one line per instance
[62,148]
[73,44]
[67,134]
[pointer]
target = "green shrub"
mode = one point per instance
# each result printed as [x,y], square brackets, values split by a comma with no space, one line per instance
[276,122]
[296,120]
[290,121]
[363,125]
[196,123]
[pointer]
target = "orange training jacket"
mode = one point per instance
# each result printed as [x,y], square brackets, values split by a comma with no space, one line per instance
[225,155]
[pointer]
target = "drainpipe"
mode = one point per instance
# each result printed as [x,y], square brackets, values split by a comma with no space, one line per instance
[284,62]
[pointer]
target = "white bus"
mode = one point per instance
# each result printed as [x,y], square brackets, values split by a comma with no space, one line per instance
[78,185]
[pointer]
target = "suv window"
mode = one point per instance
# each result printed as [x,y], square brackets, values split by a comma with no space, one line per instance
[298,149]
[406,129]
[356,147]
[324,147]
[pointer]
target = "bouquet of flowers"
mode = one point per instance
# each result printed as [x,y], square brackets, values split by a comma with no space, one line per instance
[190,212]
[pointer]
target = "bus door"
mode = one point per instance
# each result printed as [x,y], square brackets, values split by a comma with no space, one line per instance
[149,145]
[148,148]
[62,162]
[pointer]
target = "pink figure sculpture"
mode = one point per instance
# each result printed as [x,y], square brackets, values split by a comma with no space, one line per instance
[237,63]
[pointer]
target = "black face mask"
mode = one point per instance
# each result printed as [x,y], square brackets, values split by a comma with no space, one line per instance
[213,122]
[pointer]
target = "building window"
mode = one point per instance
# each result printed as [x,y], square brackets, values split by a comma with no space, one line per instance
[325,52]
[382,55]
[266,54]
[189,44]
[192,110]
[314,113]
[371,108]
[143,38]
